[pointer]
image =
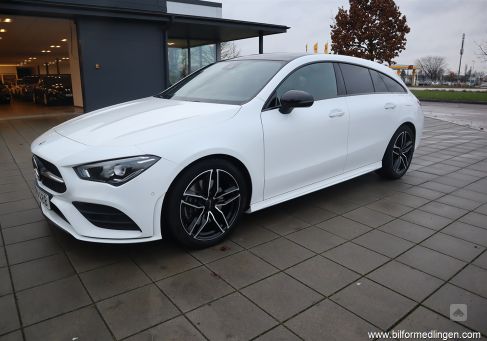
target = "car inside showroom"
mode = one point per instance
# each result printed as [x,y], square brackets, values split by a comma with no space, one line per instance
[39,66]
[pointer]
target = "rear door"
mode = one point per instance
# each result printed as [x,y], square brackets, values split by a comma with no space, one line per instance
[397,96]
[370,116]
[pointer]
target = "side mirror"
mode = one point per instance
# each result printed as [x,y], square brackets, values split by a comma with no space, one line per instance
[295,99]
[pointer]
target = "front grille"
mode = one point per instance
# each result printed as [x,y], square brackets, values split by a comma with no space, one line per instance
[47,174]
[106,217]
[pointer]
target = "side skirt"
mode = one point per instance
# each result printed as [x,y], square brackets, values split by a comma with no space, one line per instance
[313,187]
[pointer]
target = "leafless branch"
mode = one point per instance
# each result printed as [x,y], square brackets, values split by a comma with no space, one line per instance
[229,50]
[432,67]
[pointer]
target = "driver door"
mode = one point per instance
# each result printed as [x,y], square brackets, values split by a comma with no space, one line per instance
[307,145]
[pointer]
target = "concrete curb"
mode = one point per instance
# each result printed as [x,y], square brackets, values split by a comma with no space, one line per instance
[459,102]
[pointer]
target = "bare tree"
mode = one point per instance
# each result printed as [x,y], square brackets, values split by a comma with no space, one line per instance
[478,77]
[433,67]
[451,76]
[482,51]
[229,50]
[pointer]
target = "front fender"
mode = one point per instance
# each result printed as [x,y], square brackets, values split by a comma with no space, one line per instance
[240,138]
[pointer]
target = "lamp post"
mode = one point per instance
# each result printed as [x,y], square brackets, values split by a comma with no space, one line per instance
[461,54]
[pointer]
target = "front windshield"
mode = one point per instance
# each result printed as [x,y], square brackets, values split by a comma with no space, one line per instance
[228,82]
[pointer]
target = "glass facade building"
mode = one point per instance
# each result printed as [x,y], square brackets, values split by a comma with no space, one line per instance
[128,49]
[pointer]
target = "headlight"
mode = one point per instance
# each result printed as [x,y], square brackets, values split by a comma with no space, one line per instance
[116,172]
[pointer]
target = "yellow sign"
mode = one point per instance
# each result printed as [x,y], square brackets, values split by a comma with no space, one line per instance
[316,47]
[402,67]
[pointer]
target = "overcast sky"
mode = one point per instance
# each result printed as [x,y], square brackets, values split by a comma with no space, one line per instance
[436,26]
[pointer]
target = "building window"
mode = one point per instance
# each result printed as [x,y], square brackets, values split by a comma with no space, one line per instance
[202,56]
[187,56]
[178,64]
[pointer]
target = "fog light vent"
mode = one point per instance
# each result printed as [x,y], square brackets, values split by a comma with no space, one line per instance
[106,217]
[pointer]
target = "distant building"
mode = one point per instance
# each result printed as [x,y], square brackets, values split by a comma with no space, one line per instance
[408,73]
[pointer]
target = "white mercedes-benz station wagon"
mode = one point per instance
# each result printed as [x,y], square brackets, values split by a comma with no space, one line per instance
[237,136]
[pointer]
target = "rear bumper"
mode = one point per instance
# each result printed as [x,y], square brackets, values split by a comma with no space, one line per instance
[419,127]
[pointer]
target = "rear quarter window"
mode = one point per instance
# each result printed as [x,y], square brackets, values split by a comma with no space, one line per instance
[392,85]
[379,84]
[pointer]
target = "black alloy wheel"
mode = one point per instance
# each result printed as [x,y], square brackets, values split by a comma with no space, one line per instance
[205,203]
[402,152]
[399,153]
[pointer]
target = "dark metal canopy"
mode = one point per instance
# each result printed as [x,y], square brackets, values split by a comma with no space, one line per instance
[218,30]
[179,26]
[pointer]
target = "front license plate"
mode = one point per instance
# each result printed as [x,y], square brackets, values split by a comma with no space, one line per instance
[44,197]
[69,95]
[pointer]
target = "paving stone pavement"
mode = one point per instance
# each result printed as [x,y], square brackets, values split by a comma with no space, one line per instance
[365,255]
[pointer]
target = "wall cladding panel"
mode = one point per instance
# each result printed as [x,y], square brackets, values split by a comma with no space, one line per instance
[130,58]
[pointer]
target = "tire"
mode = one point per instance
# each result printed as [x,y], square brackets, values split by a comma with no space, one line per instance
[205,202]
[399,153]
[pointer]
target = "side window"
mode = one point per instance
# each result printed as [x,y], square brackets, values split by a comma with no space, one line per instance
[392,85]
[340,83]
[317,79]
[379,84]
[357,79]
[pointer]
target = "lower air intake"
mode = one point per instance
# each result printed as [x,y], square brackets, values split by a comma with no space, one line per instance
[106,217]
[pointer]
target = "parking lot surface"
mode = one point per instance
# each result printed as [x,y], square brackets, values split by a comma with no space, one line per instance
[470,115]
[24,109]
[366,255]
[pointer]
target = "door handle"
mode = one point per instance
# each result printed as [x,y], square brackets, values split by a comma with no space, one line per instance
[336,113]
[389,106]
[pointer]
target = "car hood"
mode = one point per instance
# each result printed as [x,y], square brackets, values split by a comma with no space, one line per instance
[142,121]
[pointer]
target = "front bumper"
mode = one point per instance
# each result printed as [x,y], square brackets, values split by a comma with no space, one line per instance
[140,199]
[60,223]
